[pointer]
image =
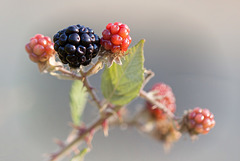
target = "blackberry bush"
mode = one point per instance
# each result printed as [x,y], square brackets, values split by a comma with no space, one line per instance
[76,45]
[121,82]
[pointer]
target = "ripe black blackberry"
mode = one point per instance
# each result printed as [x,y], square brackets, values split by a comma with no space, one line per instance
[76,45]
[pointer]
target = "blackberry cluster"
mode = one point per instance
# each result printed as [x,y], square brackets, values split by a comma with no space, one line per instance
[76,45]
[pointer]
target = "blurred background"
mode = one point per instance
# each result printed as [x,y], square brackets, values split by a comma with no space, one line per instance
[191,45]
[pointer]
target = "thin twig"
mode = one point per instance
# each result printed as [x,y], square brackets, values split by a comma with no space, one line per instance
[76,142]
[91,92]
[67,72]
[149,75]
[145,95]
[85,82]
[95,68]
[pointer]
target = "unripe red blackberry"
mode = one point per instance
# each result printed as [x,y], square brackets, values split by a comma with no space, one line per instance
[200,121]
[76,45]
[116,37]
[40,48]
[165,96]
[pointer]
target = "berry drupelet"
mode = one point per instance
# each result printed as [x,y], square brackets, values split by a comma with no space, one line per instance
[115,37]
[165,96]
[40,48]
[76,45]
[200,121]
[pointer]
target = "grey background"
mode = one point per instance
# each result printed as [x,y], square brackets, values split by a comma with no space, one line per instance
[191,45]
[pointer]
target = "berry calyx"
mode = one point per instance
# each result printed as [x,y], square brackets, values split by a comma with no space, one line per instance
[40,48]
[164,95]
[115,38]
[76,45]
[200,121]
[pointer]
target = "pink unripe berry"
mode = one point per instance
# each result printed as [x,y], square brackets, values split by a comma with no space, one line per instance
[40,48]
[200,120]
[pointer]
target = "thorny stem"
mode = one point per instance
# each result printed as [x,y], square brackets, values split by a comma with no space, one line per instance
[92,93]
[67,72]
[85,82]
[149,75]
[76,142]
[95,68]
[145,95]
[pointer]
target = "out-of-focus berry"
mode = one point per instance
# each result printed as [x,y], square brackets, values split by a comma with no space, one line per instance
[165,96]
[200,120]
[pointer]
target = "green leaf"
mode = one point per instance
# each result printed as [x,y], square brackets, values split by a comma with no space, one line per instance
[78,99]
[80,156]
[122,83]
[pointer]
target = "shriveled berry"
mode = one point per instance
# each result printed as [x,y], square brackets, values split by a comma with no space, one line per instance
[165,96]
